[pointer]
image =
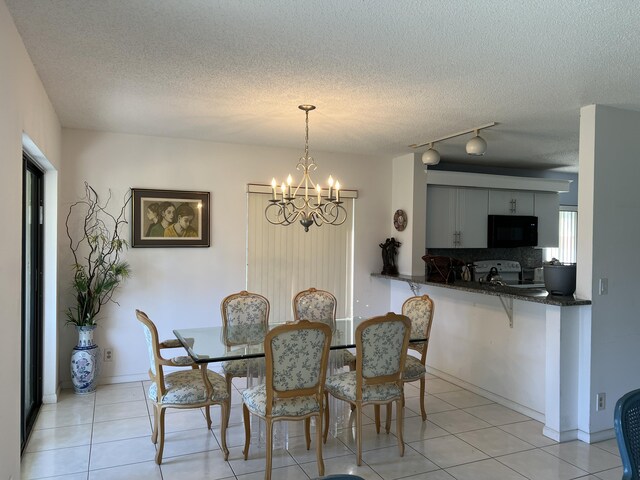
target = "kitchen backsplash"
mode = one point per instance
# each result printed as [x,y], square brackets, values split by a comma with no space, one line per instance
[527,256]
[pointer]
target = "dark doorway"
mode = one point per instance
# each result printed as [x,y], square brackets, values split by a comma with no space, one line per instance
[32,273]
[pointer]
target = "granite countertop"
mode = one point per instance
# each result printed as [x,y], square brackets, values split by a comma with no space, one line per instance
[537,295]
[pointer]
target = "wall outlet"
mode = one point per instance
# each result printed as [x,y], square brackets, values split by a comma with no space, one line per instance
[601,401]
[108,354]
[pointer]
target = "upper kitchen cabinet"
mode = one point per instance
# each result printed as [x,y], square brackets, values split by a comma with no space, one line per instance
[456,217]
[511,202]
[547,206]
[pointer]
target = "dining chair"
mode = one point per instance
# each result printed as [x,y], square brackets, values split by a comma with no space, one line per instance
[296,360]
[626,424]
[245,320]
[320,306]
[381,352]
[420,310]
[196,387]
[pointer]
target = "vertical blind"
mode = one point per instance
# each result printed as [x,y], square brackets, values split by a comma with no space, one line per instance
[567,250]
[281,261]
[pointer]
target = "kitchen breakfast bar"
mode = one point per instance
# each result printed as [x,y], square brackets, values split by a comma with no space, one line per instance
[518,347]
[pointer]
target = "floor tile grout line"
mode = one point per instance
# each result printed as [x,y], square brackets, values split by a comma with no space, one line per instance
[409,445]
[95,395]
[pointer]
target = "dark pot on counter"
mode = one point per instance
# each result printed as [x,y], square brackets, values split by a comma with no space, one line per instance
[560,279]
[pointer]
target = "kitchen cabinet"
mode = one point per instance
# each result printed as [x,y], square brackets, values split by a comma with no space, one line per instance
[547,208]
[511,202]
[456,217]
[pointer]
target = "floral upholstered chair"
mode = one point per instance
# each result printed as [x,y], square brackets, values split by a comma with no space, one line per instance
[296,359]
[245,320]
[320,306]
[420,312]
[381,351]
[196,387]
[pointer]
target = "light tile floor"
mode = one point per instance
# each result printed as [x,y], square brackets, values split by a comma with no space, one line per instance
[106,435]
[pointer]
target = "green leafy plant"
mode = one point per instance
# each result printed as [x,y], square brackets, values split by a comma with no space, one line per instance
[97,246]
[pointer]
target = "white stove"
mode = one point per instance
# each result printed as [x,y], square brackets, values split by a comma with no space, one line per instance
[510,272]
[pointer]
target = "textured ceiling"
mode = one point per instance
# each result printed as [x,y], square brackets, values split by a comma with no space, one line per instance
[384,74]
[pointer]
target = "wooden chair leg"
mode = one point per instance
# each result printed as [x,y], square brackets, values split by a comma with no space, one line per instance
[387,424]
[269,445]
[422,407]
[399,425]
[160,435]
[359,434]
[228,379]
[307,431]
[376,410]
[224,415]
[319,444]
[326,416]
[247,430]
[207,411]
[154,433]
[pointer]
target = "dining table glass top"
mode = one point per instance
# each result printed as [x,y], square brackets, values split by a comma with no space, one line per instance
[206,344]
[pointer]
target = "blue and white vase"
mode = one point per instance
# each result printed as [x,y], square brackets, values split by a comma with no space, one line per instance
[84,361]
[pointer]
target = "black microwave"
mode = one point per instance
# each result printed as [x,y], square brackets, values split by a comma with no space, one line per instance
[512,231]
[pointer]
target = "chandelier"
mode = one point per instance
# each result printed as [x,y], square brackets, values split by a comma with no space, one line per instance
[307,201]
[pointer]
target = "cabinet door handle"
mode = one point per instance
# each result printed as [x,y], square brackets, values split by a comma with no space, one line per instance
[455,241]
[459,239]
[515,205]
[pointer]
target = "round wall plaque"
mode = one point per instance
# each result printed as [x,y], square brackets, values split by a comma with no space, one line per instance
[400,220]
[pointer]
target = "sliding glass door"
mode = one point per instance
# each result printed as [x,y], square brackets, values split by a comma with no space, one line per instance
[32,324]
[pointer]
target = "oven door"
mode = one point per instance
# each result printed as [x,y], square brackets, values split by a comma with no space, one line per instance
[507,231]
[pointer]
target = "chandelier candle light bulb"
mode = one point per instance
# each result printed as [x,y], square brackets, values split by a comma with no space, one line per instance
[301,208]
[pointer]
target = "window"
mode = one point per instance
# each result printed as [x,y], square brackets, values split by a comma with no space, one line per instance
[281,261]
[568,242]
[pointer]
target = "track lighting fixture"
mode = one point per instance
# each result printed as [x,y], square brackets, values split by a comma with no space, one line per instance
[475,146]
[431,156]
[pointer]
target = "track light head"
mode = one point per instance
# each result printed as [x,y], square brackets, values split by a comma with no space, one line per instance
[431,156]
[477,145]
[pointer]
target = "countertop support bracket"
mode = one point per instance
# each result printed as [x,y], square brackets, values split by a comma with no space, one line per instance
[415,288]
[507,304]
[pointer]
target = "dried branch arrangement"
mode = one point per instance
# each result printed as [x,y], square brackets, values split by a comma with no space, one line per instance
[97,247]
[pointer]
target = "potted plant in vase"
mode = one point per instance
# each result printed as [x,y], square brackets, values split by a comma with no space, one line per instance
[96,243]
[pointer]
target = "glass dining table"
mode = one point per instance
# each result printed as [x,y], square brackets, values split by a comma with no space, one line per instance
[207,345]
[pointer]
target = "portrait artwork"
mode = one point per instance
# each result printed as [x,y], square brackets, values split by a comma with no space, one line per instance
[170,218]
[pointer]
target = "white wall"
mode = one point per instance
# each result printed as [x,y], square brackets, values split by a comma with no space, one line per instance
[609,156]
[24,107]
[473,346]
[184,286]
[410,194]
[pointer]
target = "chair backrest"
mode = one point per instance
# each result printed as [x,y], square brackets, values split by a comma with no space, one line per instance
[245,318]
[419,309]
[296,357]
[153,348]
[316,306]
[381,350]
[626,423]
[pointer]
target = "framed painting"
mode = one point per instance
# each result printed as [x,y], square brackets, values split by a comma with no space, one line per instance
[170,218]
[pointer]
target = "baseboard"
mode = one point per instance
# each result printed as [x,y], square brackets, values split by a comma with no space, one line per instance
[595,437]
[558,437]
[140,377]
[52,398]
[485,393]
